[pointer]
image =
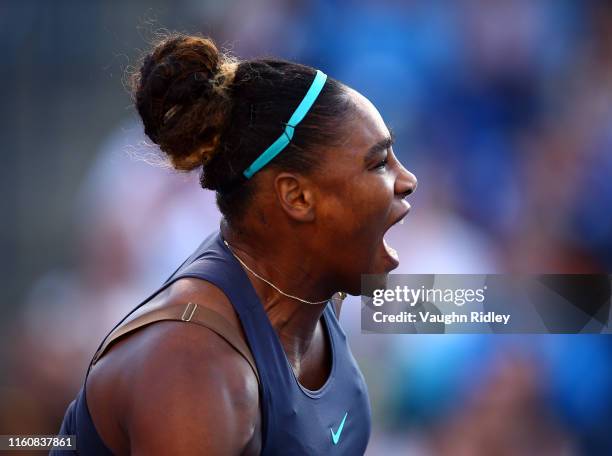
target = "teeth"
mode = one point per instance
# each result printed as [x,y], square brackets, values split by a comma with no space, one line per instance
[402,221]
[390,250]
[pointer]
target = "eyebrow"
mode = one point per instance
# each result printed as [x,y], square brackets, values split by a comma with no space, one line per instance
[381,145]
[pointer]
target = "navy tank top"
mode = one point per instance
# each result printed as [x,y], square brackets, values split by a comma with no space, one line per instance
[335,419]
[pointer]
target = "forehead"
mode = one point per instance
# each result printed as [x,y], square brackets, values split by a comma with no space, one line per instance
[367,110]
[364,129]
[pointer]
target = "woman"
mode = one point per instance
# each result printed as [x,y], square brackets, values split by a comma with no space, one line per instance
[308,184]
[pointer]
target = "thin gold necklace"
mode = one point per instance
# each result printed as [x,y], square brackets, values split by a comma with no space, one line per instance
[342,295]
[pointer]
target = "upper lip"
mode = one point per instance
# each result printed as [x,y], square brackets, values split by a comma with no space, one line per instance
[403,214]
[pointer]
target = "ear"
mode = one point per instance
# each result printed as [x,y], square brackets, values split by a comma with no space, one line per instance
[295,196]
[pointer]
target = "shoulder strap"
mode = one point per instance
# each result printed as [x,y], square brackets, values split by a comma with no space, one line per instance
[189,313]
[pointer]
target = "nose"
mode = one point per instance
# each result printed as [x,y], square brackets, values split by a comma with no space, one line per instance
[406,182]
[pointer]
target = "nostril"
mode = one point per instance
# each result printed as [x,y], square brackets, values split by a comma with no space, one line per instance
[406,185]
[409,192]
[404,195]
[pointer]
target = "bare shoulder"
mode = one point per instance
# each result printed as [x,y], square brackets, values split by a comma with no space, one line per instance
[175,388]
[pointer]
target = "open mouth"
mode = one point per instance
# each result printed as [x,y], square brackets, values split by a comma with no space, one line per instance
[391,254]
[390,251]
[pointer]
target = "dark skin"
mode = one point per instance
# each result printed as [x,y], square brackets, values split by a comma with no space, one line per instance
[176,388]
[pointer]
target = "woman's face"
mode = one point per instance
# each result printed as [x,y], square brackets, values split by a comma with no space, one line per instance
[362,189]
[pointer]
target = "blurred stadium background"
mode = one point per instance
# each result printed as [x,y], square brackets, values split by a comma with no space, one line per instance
[502,108]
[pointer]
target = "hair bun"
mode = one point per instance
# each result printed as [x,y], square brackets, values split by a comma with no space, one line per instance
[181,93]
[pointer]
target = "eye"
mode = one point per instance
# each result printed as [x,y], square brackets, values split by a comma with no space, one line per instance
[382,163]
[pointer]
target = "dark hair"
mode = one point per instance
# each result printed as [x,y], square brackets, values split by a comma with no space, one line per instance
[205,109]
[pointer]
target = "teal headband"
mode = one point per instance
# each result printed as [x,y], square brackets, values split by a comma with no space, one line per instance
[297,116]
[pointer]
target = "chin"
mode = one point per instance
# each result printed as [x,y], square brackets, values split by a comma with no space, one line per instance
[371,282]
[376,278]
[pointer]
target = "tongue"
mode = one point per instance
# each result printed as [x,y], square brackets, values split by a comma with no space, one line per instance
[390,251]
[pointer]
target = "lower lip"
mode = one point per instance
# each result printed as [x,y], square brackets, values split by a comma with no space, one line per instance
[390,255]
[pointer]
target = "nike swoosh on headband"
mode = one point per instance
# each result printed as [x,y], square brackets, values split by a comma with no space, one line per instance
[297,116]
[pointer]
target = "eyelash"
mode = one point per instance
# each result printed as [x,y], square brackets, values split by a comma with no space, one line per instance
[382,164]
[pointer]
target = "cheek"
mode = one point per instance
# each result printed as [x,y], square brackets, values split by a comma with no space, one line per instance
[359,213]
[373,201]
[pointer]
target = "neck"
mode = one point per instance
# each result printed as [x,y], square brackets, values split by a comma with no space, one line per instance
[290,270]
